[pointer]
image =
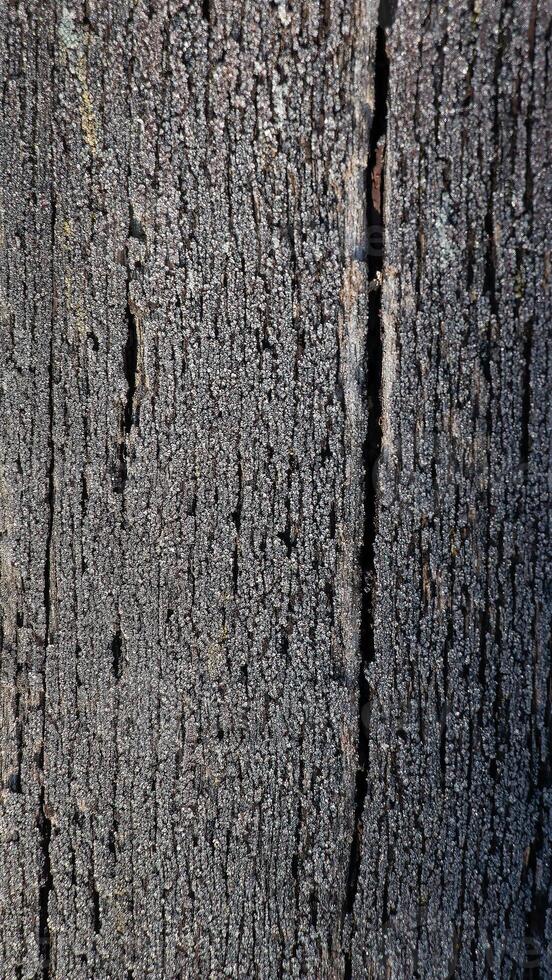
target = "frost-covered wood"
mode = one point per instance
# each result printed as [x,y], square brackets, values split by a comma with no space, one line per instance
[261,716]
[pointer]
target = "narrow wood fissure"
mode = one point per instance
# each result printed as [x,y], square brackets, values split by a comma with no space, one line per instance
[117,654]
[44,825]
[372,443]
[45,886]
[131,367]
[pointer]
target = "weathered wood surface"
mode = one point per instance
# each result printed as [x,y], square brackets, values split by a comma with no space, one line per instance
[456,876]
[262,717]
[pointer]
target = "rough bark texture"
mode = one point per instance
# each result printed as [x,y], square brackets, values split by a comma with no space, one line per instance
[269,709]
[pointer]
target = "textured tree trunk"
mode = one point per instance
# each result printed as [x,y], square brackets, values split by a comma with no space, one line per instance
[274,482]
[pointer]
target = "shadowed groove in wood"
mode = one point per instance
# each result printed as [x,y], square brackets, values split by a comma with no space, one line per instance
[374,194]
[43,823]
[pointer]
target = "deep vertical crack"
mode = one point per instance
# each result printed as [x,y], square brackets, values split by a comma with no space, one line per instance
[117,654]
[45,886]
[44,825]
[131,366]
[372,443]
[43,822]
